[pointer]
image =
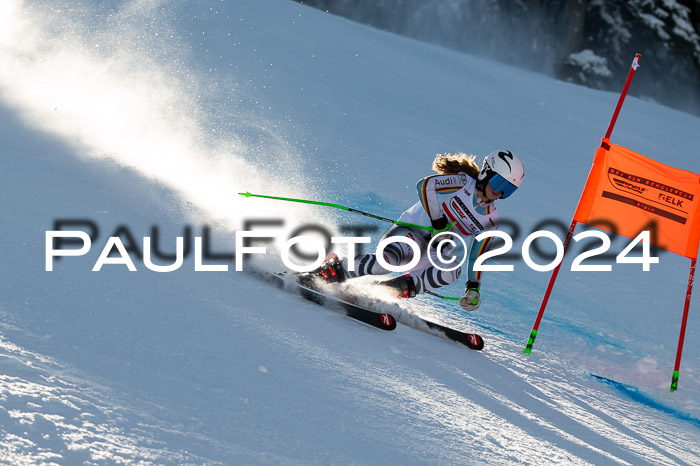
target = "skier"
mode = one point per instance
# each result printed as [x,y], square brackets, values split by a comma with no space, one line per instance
[459,199]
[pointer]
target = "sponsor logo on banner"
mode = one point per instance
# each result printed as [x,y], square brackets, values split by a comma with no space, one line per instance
[628,185]
[648,195]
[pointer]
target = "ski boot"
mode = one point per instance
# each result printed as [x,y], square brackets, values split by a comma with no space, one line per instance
[331,271]
[403,284]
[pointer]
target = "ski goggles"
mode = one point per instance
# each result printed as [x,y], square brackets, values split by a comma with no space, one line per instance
[500,184]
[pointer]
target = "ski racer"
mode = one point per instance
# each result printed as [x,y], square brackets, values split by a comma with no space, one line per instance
[460,199]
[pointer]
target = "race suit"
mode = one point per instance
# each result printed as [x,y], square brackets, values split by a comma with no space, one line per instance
[453,196]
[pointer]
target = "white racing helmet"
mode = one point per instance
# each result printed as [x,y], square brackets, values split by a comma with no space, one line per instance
[503,170]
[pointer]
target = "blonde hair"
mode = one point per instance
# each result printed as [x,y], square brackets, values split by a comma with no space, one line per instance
[451,164]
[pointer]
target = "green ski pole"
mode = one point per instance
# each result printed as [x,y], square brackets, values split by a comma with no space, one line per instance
[336,206]
[439,296]
[355,211]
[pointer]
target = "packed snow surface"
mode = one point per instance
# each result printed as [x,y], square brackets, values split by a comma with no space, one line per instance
[146,119]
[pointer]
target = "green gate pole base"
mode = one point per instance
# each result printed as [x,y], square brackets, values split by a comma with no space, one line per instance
[530,341]
[674,381]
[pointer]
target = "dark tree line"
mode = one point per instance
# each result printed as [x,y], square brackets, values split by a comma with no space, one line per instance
[590,42]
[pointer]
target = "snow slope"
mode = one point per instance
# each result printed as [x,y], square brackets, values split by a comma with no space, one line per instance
[135,114]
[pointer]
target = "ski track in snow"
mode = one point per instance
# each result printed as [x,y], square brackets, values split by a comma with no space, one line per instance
[46,417]
[556,395]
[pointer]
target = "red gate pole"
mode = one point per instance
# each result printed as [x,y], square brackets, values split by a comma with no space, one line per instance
[676,369]
[630,75]
[555,272]
[545,299]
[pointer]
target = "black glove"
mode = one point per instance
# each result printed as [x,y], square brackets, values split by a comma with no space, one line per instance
[441,225]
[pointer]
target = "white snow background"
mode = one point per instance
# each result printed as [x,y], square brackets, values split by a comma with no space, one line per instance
[140,113]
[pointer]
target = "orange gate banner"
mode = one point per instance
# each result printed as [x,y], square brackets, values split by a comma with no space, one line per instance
[627,193]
